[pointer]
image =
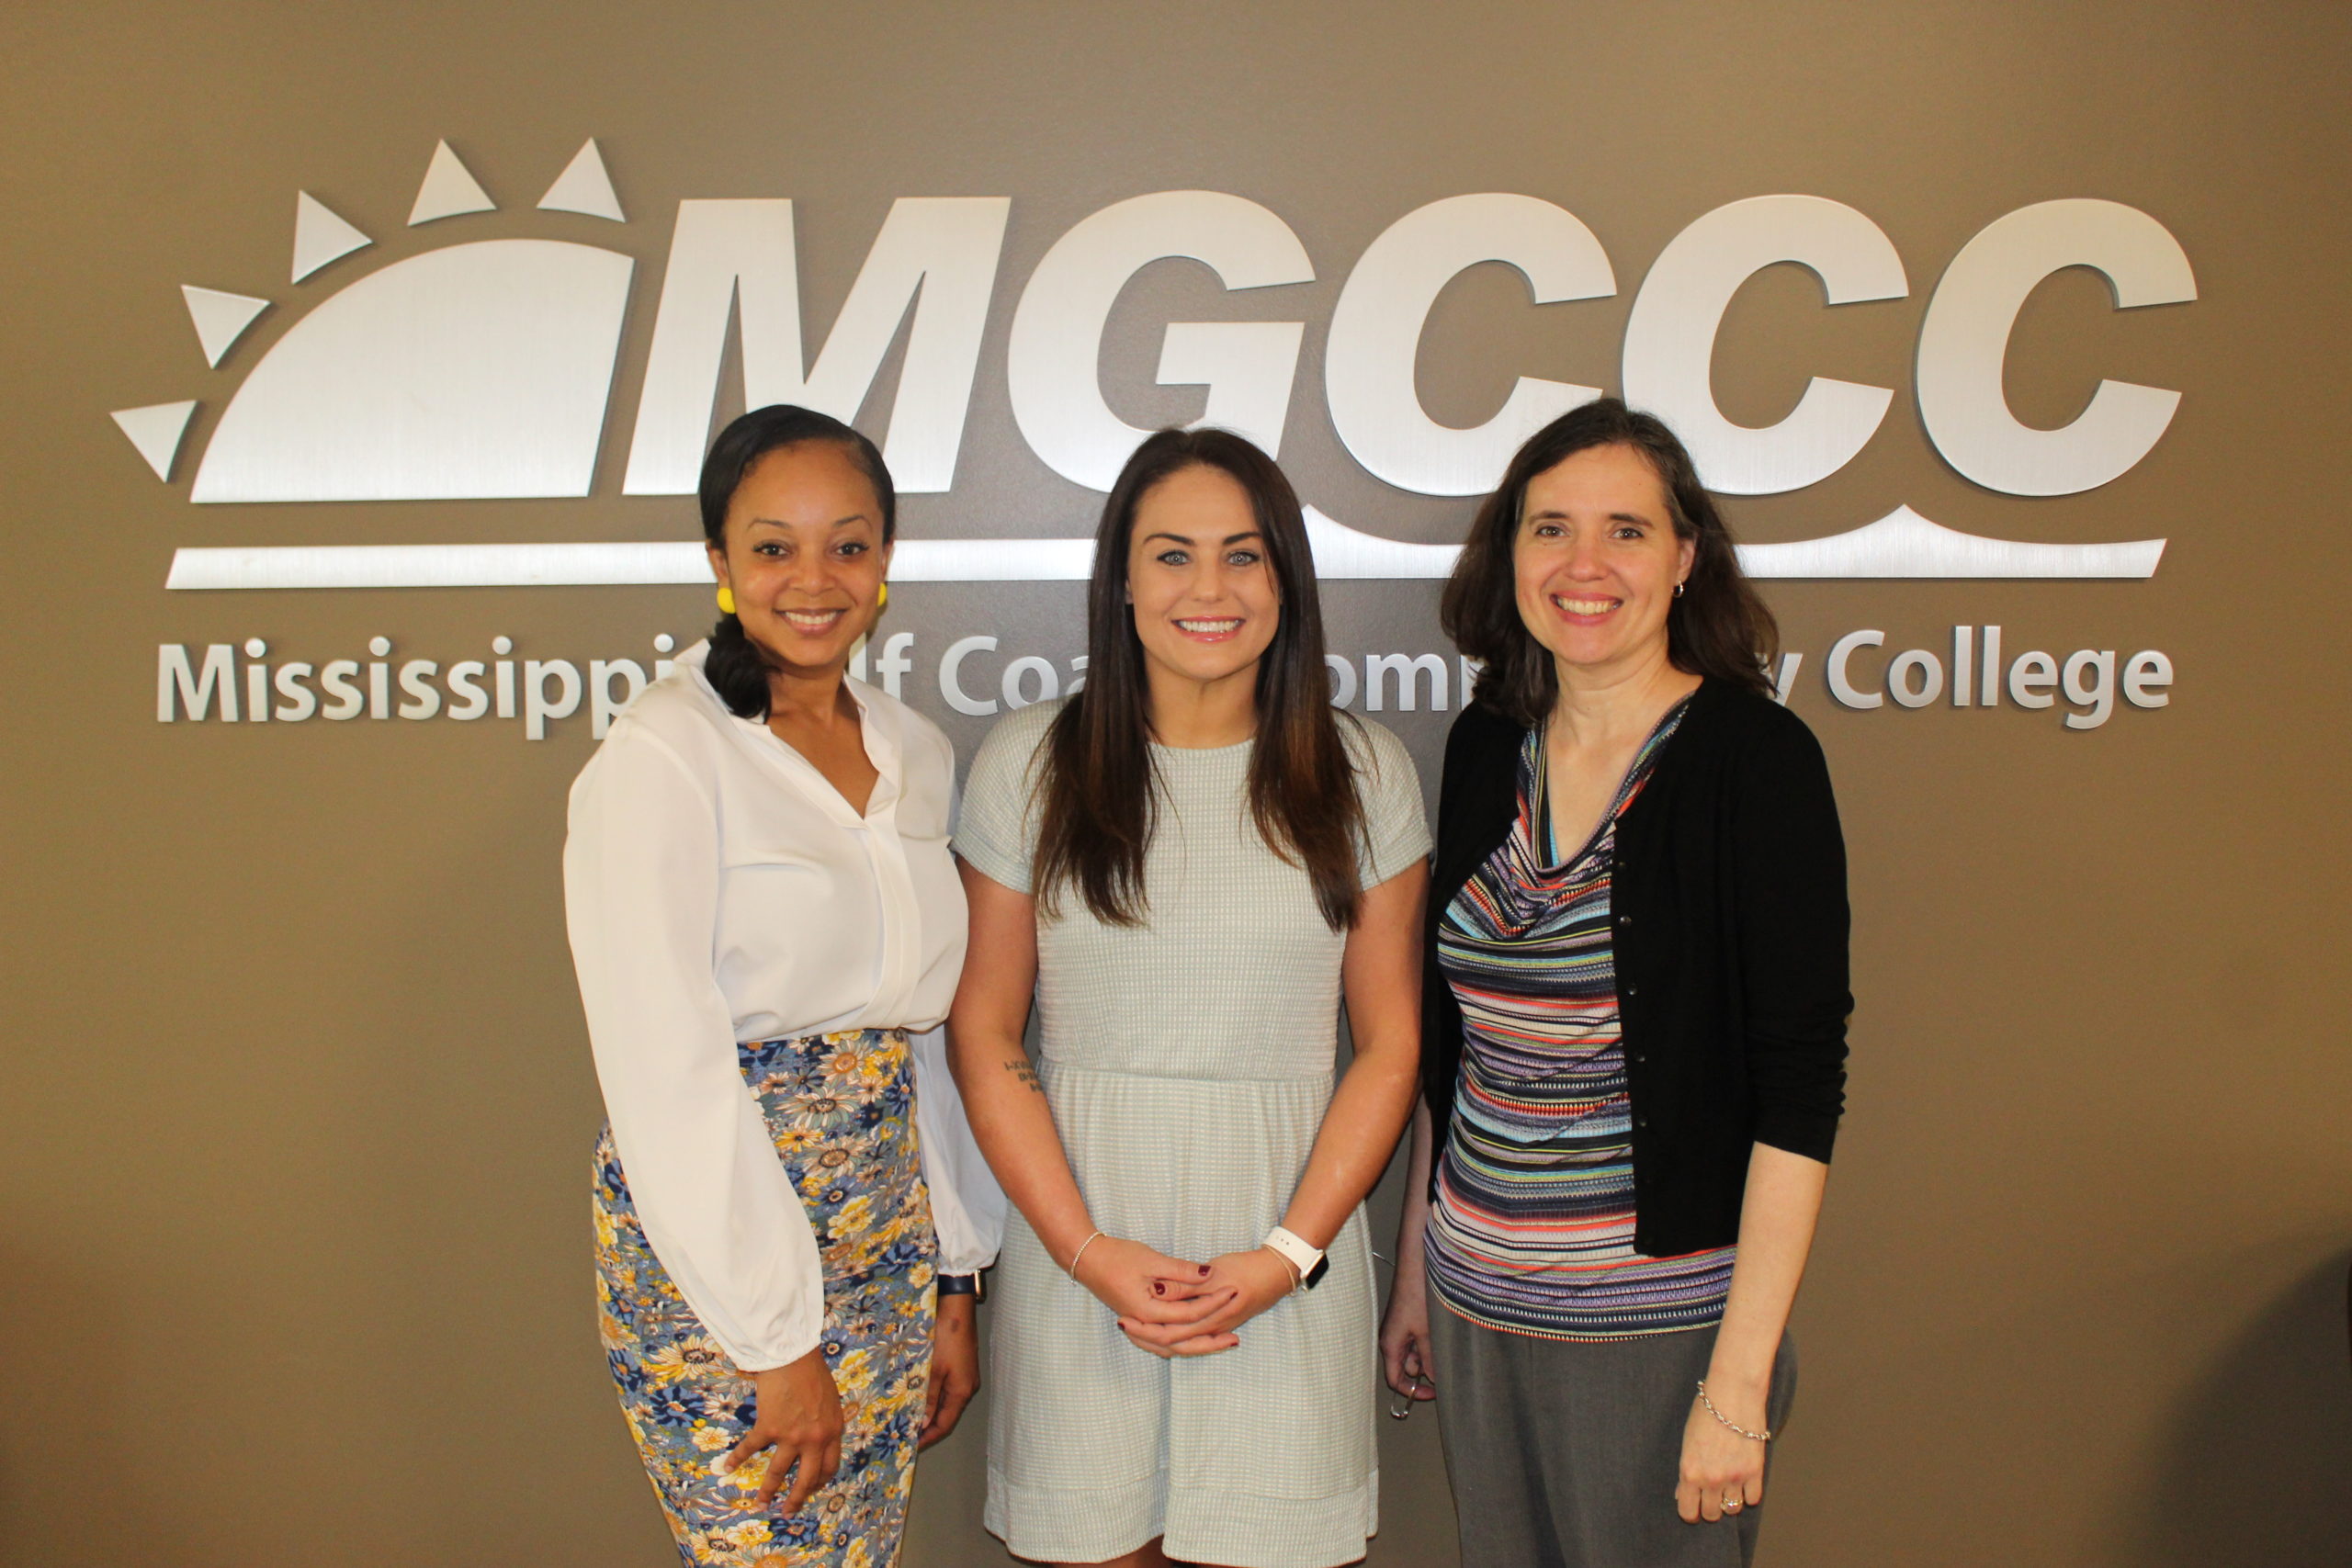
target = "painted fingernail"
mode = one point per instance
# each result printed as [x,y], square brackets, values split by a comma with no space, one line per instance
[1158,1290]
[1204,1270]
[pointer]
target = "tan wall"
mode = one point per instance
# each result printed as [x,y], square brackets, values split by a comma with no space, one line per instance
[293,1254]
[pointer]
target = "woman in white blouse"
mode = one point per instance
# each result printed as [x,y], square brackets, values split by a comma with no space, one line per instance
[764,917]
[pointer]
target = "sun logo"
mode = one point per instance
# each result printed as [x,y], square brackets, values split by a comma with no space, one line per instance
[480,369]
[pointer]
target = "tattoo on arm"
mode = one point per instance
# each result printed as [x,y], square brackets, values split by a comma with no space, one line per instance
[1025,1073]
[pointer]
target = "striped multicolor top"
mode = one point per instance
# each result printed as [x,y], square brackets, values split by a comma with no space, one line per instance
[1533,1229]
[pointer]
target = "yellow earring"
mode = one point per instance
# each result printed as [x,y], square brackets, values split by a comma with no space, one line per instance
[726,599]
[882,600]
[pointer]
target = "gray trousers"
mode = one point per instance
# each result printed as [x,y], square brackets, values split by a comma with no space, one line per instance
[1565,1454]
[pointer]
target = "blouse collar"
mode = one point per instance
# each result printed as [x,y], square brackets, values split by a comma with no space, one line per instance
[875,729]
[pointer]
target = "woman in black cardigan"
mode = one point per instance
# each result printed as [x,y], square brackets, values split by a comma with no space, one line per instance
[1634,1023]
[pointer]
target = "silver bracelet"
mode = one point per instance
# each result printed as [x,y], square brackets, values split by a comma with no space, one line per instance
[1074,1257]
[1752,1437]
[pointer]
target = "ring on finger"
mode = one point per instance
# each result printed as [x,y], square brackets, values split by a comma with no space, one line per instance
[1734,1502]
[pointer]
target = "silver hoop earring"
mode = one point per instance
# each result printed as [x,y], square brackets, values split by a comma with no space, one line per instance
[1679,588]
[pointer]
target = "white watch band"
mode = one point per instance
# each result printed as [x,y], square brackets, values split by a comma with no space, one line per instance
[1295,1252]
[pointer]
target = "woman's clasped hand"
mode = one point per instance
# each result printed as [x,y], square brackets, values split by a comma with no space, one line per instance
[1170,1307]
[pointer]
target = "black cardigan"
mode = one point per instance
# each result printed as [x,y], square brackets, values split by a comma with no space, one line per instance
[1729,899]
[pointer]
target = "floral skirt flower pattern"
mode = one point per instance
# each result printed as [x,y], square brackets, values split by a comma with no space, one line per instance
[841,1107]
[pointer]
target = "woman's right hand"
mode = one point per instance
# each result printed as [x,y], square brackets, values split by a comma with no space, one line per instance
[1146,1285]
[796,1411]
[1404,1354]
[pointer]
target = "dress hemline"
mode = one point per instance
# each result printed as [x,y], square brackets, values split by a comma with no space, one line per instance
[1232,1530]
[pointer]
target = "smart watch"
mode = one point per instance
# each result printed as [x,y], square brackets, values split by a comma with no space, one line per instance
[1295,1250]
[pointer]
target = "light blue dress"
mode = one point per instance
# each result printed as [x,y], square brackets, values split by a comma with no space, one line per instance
[1188,1063]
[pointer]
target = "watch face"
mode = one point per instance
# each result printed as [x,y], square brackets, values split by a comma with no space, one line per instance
[1315,1275]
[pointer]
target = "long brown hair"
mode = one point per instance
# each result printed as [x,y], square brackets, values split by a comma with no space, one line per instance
[1718,627]
[1098,792]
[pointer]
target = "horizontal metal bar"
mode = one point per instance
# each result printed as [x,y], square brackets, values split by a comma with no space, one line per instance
[588,565]
[1901,544]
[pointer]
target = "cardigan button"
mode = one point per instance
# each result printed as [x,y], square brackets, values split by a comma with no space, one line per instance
[1632,989]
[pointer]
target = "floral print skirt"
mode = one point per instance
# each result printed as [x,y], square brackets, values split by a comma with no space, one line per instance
[841,1107]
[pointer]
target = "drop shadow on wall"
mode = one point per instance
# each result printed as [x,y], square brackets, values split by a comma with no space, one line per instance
[2253,1471]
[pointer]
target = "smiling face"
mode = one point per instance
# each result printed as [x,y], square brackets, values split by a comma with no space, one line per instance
[804,555]
[1199,581]
[1596,560]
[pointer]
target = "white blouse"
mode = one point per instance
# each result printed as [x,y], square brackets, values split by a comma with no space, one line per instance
[719,890]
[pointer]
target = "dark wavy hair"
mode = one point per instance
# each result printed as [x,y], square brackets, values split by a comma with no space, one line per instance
[737,669]
[1718,627]
[1097,788]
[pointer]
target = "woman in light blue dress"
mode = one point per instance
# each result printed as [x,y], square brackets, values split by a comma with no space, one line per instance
[1187,866]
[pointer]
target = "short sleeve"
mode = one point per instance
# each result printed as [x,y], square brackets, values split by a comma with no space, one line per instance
[996,826]
[1396,824]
